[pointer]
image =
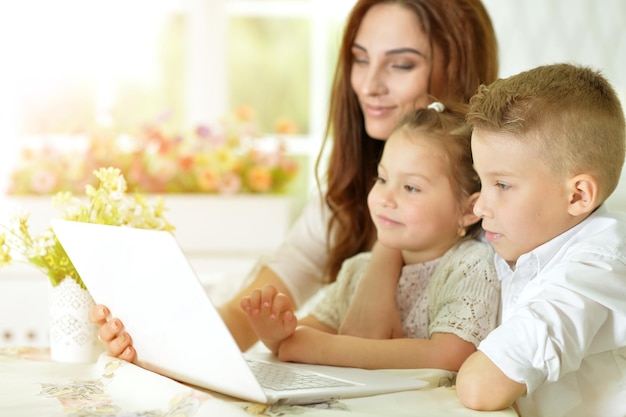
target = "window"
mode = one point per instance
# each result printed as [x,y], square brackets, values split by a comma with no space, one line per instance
[280,57]
[72,67]
[76,67]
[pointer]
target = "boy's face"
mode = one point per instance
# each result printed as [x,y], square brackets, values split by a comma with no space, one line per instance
[522,203]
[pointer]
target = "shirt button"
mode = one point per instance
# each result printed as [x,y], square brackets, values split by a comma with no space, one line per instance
[515,298]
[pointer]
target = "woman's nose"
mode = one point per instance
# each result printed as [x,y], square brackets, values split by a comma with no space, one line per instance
[373,82]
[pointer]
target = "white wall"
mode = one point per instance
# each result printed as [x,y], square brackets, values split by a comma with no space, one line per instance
[589,32]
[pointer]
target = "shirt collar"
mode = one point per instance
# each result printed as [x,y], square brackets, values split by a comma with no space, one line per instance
[537,258]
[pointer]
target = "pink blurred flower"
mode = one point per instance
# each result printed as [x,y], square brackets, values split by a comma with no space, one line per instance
[44,181]
[230,184]
[223,159]
[208,180]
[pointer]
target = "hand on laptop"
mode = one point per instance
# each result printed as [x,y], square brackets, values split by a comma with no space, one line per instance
[271,315]
[112,333]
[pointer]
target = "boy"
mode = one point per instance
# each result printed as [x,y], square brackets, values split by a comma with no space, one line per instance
[548,146]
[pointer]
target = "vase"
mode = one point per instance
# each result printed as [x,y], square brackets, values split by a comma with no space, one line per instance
[73,338]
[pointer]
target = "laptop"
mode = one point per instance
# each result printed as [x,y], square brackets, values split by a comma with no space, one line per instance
[145,279]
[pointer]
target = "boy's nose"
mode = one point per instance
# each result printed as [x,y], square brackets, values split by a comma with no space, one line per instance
[479,208]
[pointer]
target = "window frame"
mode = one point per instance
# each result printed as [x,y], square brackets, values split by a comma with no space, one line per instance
[207,34]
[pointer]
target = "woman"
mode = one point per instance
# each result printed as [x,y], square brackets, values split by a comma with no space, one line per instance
[395,55]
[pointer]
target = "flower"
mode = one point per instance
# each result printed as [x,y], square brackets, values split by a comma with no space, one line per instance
[107,204]
[226,159]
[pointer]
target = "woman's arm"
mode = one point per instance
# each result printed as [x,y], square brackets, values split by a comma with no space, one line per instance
[373,312]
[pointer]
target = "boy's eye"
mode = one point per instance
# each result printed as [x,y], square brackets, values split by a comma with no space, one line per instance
[503,186]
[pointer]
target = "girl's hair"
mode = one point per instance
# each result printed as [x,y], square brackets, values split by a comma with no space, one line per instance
[464,44]
[448,130]
[569,115]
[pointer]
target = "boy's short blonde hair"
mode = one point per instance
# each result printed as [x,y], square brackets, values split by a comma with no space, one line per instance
[570,114]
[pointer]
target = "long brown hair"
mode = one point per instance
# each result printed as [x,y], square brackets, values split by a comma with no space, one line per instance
[465,49]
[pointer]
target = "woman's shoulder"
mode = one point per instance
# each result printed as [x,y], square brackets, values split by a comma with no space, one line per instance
[357,262]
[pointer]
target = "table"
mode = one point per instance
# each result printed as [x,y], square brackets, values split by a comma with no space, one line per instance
[33,385]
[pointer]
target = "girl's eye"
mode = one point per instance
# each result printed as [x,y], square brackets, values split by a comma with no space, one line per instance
[379,180]
[411,189]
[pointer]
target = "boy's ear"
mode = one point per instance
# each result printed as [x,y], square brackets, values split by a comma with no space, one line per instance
[469,218]
[583,194]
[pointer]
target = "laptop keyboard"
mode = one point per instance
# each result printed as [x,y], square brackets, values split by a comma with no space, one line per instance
[281,378]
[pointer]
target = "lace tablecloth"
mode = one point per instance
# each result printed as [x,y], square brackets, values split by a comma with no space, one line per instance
[32,385]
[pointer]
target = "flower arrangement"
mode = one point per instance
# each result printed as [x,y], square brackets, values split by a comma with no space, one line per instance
[107,204]
[229,159]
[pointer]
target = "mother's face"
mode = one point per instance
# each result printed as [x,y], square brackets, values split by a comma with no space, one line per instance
[391,67]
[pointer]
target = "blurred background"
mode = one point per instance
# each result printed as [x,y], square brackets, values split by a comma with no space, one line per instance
[84,82]
[74,67]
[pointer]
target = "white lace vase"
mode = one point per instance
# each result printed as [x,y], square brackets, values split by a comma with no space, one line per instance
[73,338]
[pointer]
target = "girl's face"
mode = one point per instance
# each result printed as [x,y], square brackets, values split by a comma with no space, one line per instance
[391,67]
[413,202]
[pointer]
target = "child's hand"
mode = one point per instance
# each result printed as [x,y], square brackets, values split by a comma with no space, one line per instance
[271,315]
[111,332]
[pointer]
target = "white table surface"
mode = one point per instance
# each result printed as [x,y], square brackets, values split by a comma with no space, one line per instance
[32,385]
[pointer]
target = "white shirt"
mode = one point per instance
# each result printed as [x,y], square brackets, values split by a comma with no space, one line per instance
[563,330]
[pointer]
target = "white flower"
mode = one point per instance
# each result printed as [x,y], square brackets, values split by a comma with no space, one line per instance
[107,204]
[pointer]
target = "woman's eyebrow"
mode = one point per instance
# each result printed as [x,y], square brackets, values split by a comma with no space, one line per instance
[404,51]
[396,51]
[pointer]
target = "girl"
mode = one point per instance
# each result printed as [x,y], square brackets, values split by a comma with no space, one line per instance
[447,296]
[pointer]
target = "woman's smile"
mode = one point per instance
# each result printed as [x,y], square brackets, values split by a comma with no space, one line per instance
[377,110]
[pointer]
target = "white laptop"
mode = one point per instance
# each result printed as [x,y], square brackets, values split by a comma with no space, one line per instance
[145,279]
